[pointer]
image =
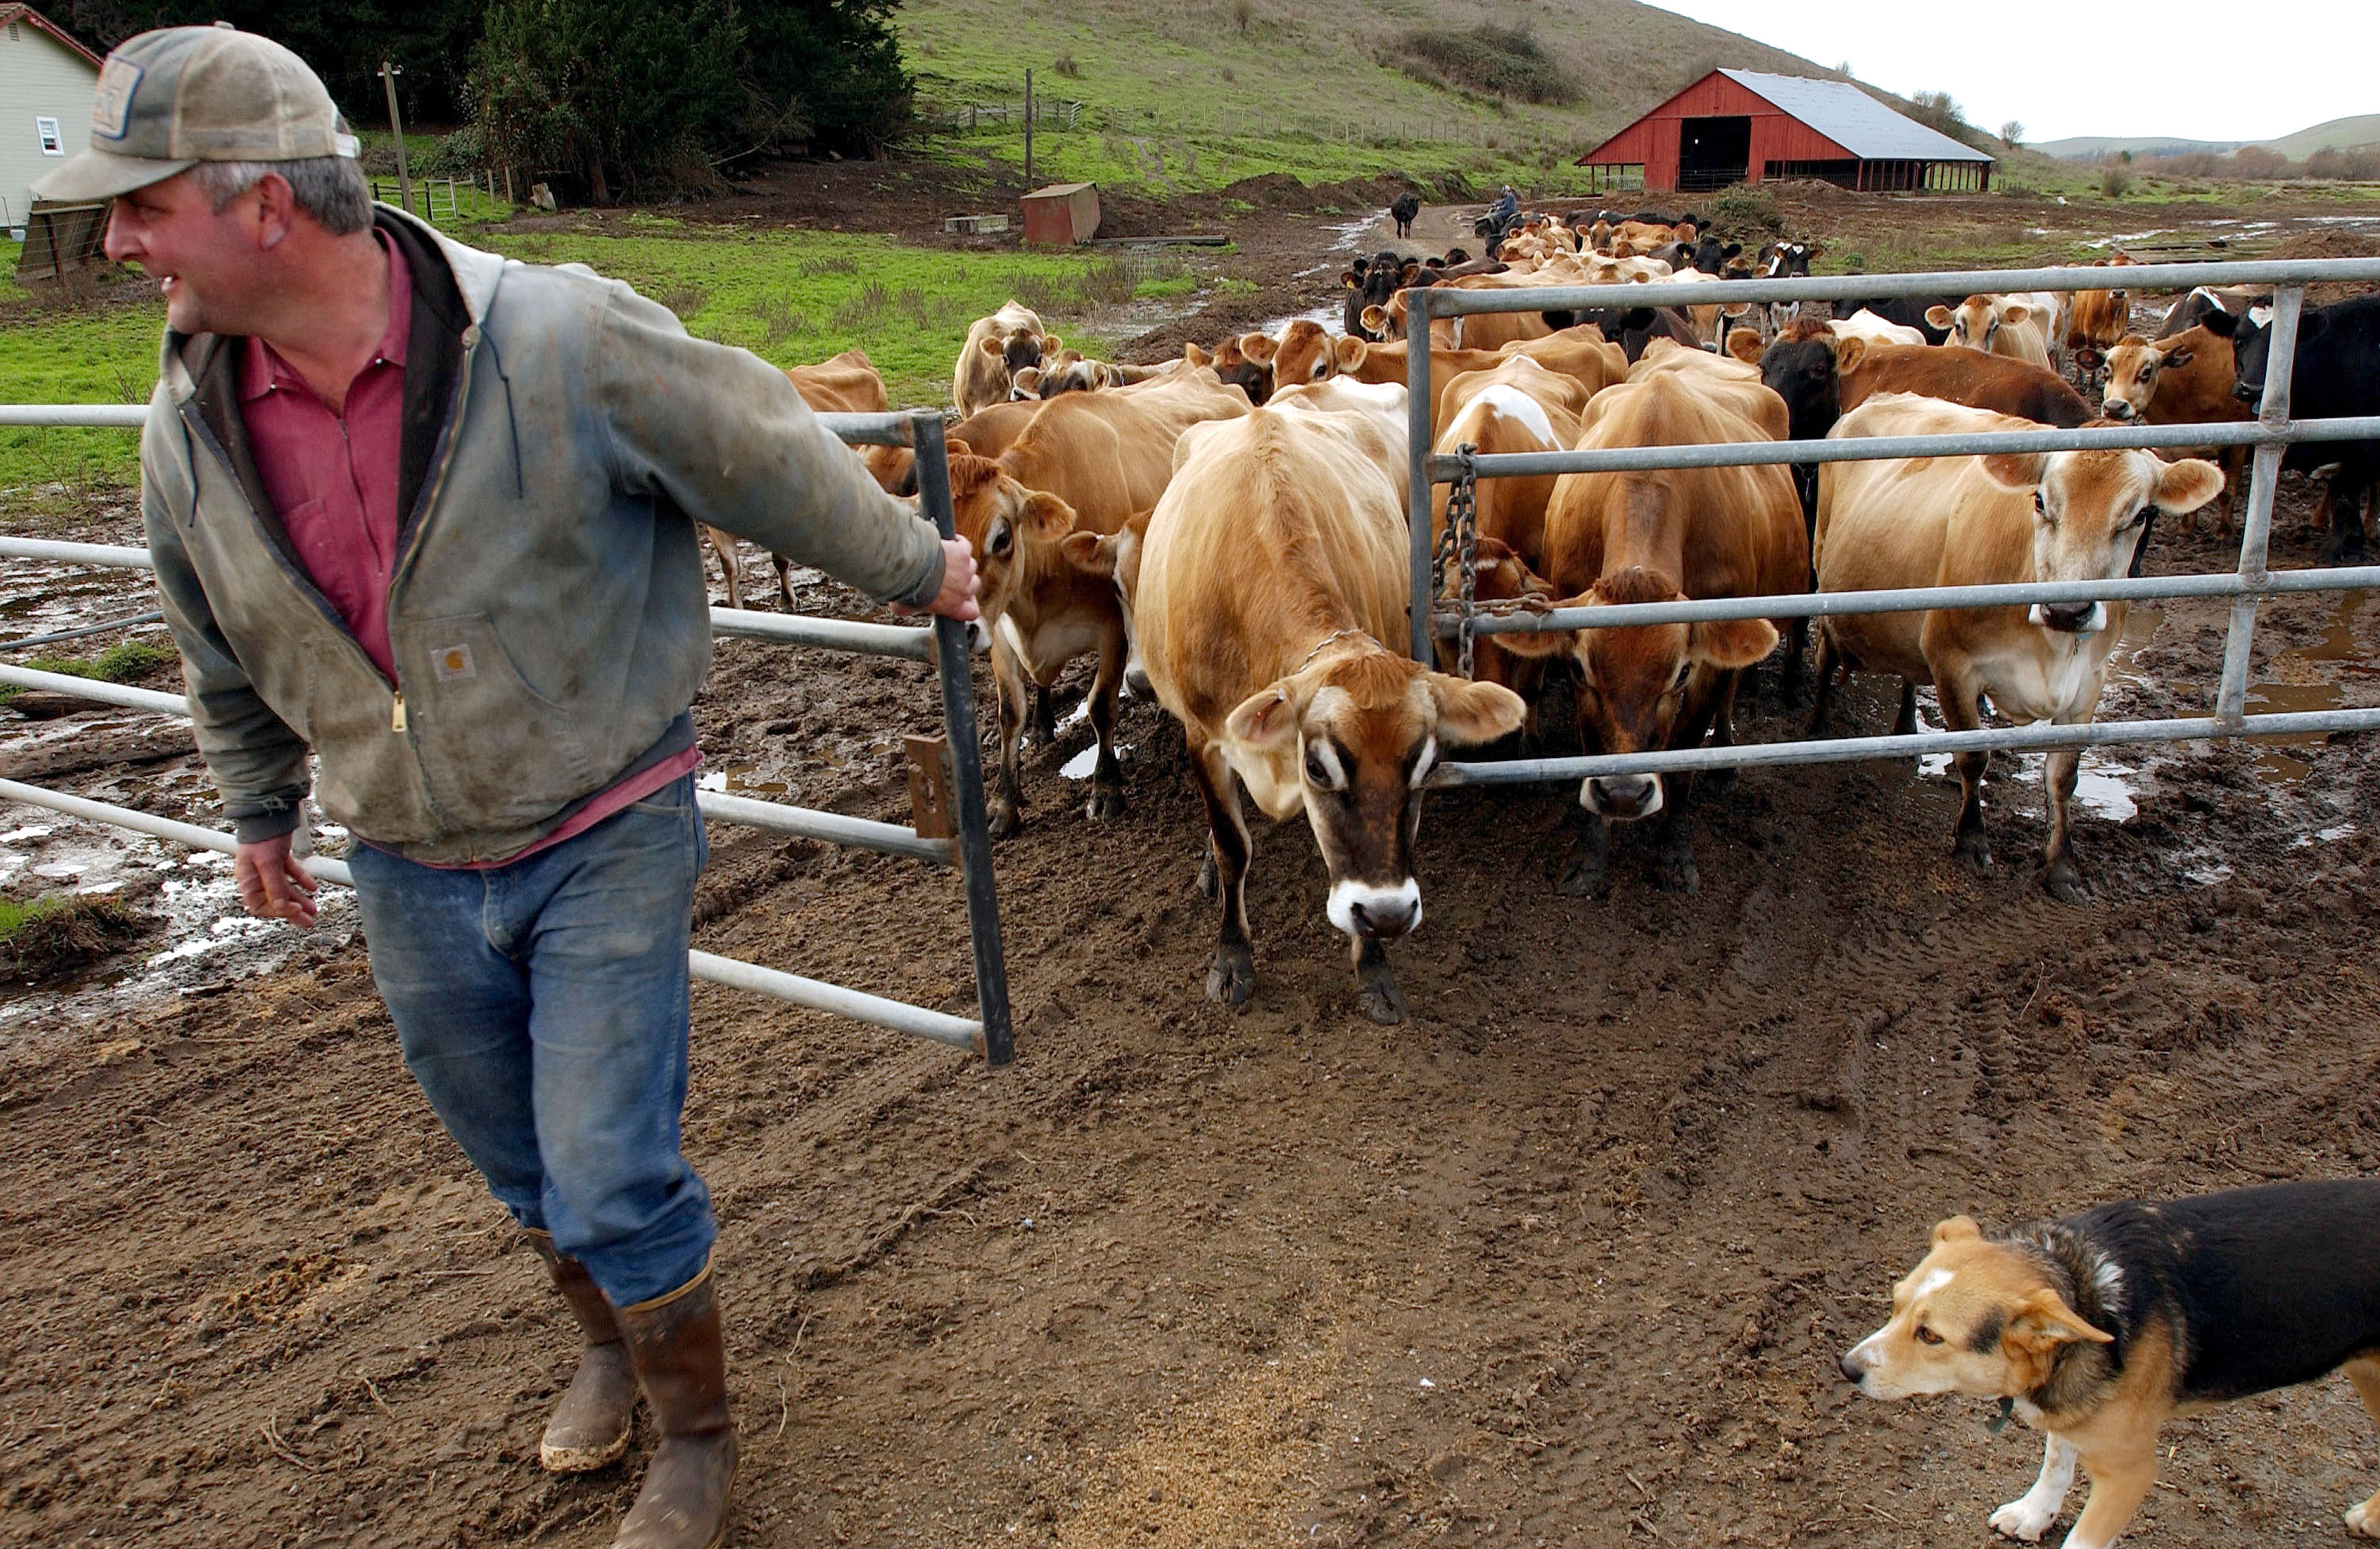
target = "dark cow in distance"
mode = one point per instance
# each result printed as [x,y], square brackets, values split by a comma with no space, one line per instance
[1406,206]
[2334,375]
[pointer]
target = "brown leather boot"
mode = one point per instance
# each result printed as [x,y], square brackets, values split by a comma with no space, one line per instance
[591,1425]
[681,1363]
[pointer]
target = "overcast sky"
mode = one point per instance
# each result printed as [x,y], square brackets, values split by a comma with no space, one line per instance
[2191,68]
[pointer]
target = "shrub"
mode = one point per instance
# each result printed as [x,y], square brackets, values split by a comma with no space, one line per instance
[1746,208]
[1066,66]
[686,301]
[779,322]
[2115,182]
[1499,61]
[1242,12]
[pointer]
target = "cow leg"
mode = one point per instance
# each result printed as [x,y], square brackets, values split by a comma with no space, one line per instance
[1377,987]
[1904,720]
[1723,730]
[1674,853]
[1106,775]
[1957,703]
[2347,491]
[724,544]
[1233,978]
[1589,870]
[1011,685]
[1822,697]
[1045,713]
[2058,876]
[784,580]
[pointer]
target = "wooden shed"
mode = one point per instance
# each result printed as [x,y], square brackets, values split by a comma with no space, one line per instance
[1061,214]
[46,82]
[1744,127]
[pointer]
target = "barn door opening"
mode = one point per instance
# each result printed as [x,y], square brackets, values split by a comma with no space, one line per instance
[1713,153]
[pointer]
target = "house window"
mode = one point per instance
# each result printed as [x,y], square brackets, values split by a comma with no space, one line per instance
[53,143]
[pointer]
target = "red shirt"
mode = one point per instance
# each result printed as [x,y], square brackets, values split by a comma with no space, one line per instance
[332,476]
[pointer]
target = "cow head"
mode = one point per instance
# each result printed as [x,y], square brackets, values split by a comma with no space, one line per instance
[2091,516]
[2251,347]
[1020,347]
[1364,729]
[1014,530]
[1803,366]
[1976,322]
[1786,261]
[1635,680]
[2133,364]
[1245,360]
[1302,354]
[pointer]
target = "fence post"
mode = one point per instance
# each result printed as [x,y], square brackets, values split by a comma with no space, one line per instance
[2255,536]
[966,758]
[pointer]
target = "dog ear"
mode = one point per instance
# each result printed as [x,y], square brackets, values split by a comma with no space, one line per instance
[2044,1322]
[1959,1228]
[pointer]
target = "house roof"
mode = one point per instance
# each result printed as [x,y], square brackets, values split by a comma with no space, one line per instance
[12,13]
[1854,120]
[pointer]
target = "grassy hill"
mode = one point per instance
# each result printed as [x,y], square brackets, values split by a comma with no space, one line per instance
[1201,94]
[2342,134]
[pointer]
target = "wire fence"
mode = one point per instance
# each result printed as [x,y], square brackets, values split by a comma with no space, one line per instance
[2271,434]
[1005,116]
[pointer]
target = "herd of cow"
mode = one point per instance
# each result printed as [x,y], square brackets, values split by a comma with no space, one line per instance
[1232,524]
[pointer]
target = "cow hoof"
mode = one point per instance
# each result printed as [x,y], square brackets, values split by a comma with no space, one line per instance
[2343,550]
[2063,883]
[1107,801]
[1210,883]
[1382,1001]
[1233,976]
[1674,872]
[1003,822]
[1585,879]
[1974,848]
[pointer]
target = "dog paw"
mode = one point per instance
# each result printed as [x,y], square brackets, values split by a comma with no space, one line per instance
[2023,1520]
[2364,1519]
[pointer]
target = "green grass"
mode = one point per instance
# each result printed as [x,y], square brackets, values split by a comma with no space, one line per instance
[57,932]
[120,662]
[790,297]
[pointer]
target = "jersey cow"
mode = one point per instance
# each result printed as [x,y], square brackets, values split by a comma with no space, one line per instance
[1659,536]
[2011,517]
[2185,380]
[997,348]
[1268,578]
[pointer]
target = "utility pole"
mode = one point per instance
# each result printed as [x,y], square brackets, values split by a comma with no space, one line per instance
[388,74]
[1028,130]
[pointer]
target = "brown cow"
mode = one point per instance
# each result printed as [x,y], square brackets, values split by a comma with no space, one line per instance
[2097,319]
[846,385]
[1646,537]
[2015,326]
[2185,380]
[1821,376]
[2011,517]
[1103,455]
[996,348]
[1269,575]
[1302,356]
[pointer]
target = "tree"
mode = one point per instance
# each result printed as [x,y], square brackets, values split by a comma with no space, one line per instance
[824,73]
[643,88]
[2012,133]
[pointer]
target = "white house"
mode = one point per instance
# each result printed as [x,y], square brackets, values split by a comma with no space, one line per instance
[46,80]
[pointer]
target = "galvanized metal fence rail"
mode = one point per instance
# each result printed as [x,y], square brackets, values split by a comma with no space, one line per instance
[944,645]
[2270,435]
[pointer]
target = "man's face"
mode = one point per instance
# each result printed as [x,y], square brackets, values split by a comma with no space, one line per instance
[206,264]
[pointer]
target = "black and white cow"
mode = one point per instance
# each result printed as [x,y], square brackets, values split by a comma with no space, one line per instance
[2335,375]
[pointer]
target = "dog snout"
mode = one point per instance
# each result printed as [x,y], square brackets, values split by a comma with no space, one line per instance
[1849,1364]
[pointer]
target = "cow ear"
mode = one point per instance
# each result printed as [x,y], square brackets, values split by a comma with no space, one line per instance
[2016,470]
[1547,642]
[1959,1228]
[1733,642]
[1046,516]
[2044,1322]
[1346,355]
[2088,358]
[1197,355]
[1259,347]
[1266,720]
[1730,250]
[1374,320]
[2188,485]
[1938,315]
[1470,713]
[1745,345]
[994,346]
[2017,313]
[1091,552]
[2181,357]
[1849,353]
[1050,343]
[1351,279]
[1813,254]
[2220,324]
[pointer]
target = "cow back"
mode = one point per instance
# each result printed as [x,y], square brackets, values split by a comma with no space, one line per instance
[1965,376]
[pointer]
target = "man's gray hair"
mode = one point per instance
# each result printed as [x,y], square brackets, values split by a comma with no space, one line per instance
[331,190]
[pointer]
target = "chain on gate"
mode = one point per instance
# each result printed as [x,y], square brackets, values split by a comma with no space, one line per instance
[1460,542]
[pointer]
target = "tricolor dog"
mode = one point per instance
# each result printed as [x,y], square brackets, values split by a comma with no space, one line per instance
[2095,1329]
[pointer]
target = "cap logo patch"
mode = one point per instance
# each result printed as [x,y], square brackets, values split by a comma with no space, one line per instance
[455,662]
[111,103]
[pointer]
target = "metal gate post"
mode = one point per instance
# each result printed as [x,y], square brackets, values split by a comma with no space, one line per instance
[1417,433]
[967,757]
[2256,535]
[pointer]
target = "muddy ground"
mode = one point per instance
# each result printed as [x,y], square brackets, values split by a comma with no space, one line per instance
[1564,1260]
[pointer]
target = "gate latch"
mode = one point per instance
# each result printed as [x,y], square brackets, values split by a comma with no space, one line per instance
[929,786]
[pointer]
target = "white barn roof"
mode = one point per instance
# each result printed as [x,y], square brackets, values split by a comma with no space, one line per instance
[1854,120]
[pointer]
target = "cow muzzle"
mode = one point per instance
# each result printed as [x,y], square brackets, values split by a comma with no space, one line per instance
[2072,618]
[1623,797]
[1361,909]
[2248,392]
[2116,409]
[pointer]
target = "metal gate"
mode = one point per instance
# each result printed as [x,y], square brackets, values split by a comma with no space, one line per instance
[952,809]
[2269,433]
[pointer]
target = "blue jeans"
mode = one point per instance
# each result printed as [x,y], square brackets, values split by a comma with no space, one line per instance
[543,1007]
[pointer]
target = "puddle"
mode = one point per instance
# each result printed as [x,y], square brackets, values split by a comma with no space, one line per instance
[2332,835]
[2294,682]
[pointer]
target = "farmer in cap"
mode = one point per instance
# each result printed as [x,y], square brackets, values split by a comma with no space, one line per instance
[431,515]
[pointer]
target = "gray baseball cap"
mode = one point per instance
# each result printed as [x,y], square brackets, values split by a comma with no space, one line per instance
[171,99]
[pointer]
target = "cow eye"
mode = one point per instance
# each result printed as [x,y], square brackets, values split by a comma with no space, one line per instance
[998,542]
[2040,506]
[1927,1336]
[1320,769]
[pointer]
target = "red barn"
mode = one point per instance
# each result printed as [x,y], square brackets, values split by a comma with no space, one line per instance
[1744,127]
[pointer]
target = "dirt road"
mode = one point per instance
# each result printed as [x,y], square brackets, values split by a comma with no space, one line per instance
[1566,1260]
